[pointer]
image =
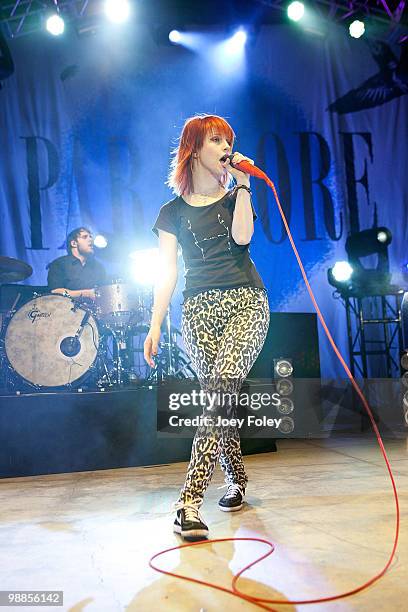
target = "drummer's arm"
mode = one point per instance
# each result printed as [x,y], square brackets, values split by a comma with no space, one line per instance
[56,277]
[75,293]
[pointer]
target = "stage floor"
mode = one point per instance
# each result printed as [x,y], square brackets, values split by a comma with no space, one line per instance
[326,504]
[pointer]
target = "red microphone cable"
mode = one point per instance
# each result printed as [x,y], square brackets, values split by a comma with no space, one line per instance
[253,170]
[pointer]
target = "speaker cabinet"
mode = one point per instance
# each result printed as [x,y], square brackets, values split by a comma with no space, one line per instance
[292,335]
[289,364]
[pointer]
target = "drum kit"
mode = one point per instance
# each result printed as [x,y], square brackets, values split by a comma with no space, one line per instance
[53,342]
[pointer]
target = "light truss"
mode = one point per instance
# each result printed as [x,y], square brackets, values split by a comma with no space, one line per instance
[383,10]
[390,15]
[19,17]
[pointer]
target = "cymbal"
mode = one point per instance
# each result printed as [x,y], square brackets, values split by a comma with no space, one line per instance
[13,270]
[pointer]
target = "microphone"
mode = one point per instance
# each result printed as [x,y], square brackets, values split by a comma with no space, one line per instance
[245,166]
[71,345]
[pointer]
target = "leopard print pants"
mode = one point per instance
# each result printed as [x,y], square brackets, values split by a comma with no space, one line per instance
[223,332]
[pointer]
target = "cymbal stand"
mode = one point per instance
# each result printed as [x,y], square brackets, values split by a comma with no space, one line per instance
[171,361]
[169,345]
[120,346]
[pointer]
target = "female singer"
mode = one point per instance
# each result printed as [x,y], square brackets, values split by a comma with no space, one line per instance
[225,314]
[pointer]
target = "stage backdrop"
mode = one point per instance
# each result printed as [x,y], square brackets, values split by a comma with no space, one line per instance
[87,126]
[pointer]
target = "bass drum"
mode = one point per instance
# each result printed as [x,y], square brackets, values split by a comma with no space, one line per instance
[40,342]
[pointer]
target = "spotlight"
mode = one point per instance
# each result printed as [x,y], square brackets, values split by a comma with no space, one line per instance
[404,379]
[175,37]
[356,28]
[369,242]
[240,38]
[145,266]
[117,10]
[55,25]
[296,10]
[283,367]
[342,271]
[100,241]
[364,281]
[382,236]
[237,42]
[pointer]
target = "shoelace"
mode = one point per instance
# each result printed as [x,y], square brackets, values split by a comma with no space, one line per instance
[233,490]
[192,513]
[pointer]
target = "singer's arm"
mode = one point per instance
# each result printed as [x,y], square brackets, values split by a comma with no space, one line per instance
[243,221]
[163,291]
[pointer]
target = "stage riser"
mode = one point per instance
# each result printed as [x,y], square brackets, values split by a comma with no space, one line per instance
[70,432]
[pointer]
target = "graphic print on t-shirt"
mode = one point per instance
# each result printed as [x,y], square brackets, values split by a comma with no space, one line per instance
[202,242]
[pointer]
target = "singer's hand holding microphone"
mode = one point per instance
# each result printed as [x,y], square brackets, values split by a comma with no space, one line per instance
[239,166]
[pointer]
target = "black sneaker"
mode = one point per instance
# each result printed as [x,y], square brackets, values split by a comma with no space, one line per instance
[233,499]
[189,524]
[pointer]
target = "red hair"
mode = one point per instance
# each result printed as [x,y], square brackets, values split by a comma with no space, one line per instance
[191,140]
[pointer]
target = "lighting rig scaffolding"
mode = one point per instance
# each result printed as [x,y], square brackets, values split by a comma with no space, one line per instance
[20,17]
[372,304]
[374,332]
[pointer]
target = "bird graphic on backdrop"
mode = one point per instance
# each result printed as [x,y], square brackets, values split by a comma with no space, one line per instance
[390,82]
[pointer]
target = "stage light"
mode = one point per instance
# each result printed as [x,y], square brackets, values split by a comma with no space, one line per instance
[296,10]
[163,35]
[240,38]
[283,367]
[404,379]
[342,271]
[117,10]
[228,56]
[175,37]
[145,267]
[358,245]
[284,386]
[100,241]
[404,361]
[55,25]
[287,425]
[383,236]
[356,28]
[237,42]
[369,242]
[286,405]
[365,281]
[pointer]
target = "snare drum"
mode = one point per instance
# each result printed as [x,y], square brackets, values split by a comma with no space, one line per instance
[121,304]
[51,342]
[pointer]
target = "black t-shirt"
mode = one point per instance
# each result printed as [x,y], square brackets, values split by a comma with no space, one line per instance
[212,259]
[68,272]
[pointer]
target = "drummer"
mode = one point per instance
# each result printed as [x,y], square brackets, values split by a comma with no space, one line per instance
[75,275]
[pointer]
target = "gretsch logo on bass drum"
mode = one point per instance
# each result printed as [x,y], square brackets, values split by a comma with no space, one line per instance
[35,314]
